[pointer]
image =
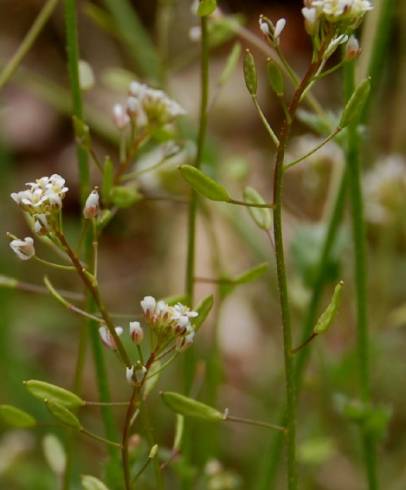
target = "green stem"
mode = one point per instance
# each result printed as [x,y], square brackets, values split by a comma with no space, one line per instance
[256,423]
[265,122]
[360,271]
[269,473]
[28,41]
[72,48]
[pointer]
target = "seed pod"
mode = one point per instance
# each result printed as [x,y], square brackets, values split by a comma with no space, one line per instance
[92,483]
[261,216]
[63,414]
[327,317]
[356,103]
[124,196]
[52,393]
[275,77]
[203,184]
[54,453]
[250,73]
[15,417]
[191,408]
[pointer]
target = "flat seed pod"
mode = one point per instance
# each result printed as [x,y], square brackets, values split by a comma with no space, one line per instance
[15,417]
[188,407]
[53,393]
[203,184]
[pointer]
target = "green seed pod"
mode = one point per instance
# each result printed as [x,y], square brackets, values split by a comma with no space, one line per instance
[82,133]
[251,274]
[124,196]
[356,103]
[203,184]
[327,317]
[92,483]
[275,77]
[203,309]
[206,7]
[63,414]
[52,393]
[15,417]
[250,73]
[191,408]
[261,216]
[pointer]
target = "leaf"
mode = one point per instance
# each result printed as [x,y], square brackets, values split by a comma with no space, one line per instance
[188,407]
[203,184]
[327,317]
[275,77]
[206,7]
[53,393]
[250,73]
[16,417]
[203,309]
[261,216]
[54,453]
[124,196]
[230,64]
[356,103]
[92,483]
[252,274]
[63,414]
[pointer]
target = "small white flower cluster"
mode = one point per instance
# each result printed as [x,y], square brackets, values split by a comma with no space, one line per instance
[170,321]
[146,106]
[349,13]
[41,199]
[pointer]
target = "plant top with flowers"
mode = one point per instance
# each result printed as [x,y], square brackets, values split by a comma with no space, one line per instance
[168,327]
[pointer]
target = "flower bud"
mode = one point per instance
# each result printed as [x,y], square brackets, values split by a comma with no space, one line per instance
[352,50]
[107,338]
[148,305]
[310,16]
[129,373]
[41,226]
[92,205]
[279,26]
[136,332]
[24,249]
[120,116]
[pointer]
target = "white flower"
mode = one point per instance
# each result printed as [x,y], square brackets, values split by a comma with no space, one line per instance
[136,332]
[136,111]
[44,196]
[180,309]
[24,249]
[107,338]
[349,11]
[279,26]
[335,42]
[120,117]
[92,205]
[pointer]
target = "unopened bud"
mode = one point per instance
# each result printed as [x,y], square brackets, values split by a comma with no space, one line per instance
[279,26]
[153,452]
[310,16]
[120,116]
[41,226]
[92,205]
[136,332]
[352,50]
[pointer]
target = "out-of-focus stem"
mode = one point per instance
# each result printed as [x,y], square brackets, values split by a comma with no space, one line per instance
[28,41]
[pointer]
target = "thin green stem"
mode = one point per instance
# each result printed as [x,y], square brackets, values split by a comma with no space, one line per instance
[77,104]
[257,423]
[99,438]
[313,150]
[249,204]
[28,41]
[360,272]
[54,265]
[265,122]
